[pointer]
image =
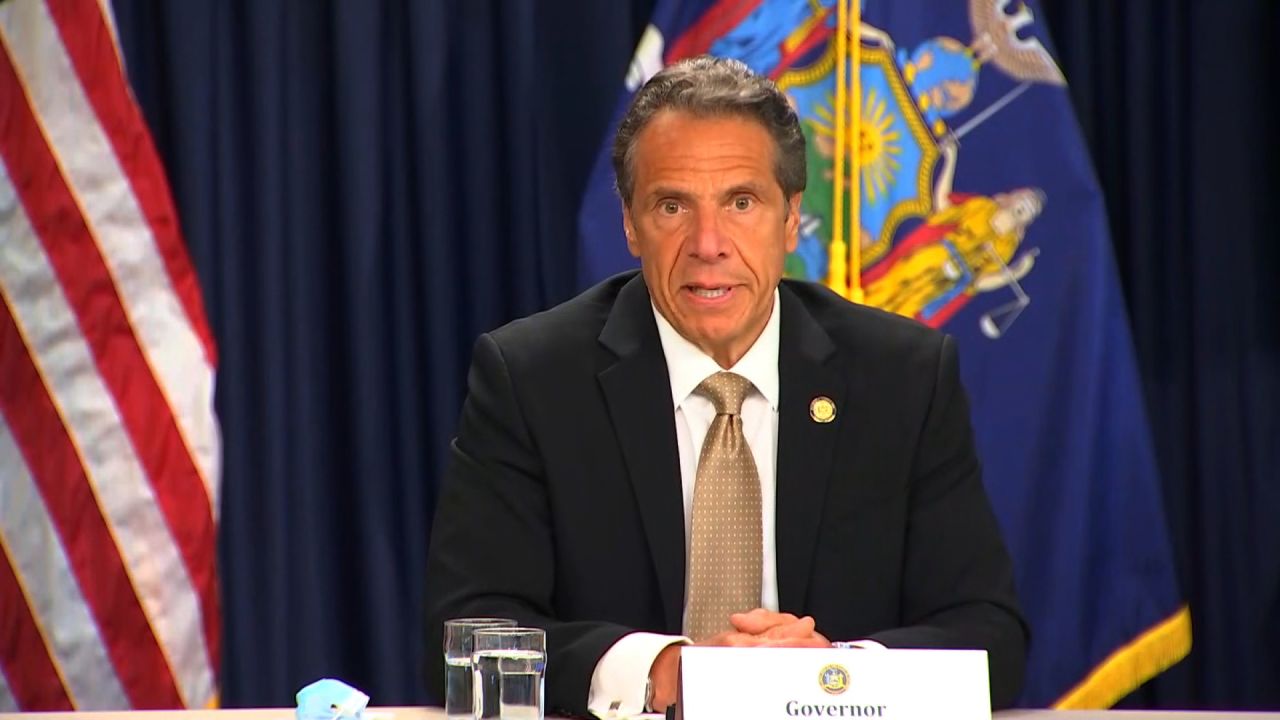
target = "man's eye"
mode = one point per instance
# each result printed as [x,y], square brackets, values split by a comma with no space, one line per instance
[742,203]
[670,207]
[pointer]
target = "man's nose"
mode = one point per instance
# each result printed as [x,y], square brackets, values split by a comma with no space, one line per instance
[708,242]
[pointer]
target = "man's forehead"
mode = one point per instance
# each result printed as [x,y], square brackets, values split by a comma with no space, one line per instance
[720,141]
[679,149]
[670,176]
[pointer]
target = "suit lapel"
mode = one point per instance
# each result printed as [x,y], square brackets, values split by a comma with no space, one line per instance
[637,391]
[805,446]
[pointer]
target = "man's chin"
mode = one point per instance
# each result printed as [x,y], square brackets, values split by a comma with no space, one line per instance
[711,340]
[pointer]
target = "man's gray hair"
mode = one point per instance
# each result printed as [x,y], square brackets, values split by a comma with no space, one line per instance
[708,86]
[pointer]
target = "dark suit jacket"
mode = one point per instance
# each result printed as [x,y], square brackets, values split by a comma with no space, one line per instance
[562,504]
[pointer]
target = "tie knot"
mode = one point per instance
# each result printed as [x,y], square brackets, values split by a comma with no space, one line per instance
[726,391]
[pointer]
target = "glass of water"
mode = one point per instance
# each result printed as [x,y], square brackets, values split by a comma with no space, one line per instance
[458,703]
[508,663]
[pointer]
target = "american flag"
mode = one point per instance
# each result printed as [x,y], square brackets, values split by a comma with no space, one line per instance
[109,448]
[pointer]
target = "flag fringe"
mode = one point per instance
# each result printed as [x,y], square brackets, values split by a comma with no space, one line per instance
[1148,655]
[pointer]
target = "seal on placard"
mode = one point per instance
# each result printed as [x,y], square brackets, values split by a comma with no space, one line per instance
[834,679]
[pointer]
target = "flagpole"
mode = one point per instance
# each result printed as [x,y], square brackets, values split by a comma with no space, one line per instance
[855,192]
[836,265]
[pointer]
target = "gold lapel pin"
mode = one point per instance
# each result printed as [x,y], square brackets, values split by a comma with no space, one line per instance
[822,409]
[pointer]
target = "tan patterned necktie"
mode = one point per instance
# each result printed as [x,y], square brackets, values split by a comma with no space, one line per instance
[725,547]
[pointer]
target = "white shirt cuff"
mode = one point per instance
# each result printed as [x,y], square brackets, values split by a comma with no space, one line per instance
[860,644]
[619,680]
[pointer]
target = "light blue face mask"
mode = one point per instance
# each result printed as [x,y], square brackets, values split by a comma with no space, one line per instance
[330,699]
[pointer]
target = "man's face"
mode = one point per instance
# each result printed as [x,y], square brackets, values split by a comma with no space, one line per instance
[711,227]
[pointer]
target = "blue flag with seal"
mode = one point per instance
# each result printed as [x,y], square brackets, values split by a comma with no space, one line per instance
[978,213]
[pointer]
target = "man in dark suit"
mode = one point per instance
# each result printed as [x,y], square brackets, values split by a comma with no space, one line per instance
[605,485]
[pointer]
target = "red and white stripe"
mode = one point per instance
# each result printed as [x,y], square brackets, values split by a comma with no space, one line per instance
[109,447]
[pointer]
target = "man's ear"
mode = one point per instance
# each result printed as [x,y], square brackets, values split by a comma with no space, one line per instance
[793,221]
[628,227]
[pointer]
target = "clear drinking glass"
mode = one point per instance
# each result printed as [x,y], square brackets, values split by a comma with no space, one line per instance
[508,664]
[458,704]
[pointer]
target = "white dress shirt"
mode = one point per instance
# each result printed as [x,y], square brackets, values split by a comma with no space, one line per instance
[618,682]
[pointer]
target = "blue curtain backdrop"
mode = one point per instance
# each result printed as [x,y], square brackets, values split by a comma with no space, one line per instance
[367,186]
[1171,96]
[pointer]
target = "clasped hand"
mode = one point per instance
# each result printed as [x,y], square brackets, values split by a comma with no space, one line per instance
[758,628]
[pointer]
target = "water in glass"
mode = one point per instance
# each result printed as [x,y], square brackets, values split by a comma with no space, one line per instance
[509,684]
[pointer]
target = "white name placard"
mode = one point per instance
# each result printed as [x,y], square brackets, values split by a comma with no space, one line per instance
[786,683]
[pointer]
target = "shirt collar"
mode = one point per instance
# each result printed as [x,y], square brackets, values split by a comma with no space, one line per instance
[688,366]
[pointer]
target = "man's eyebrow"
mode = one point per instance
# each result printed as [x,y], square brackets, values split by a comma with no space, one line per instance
[749,186]
[666,191]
